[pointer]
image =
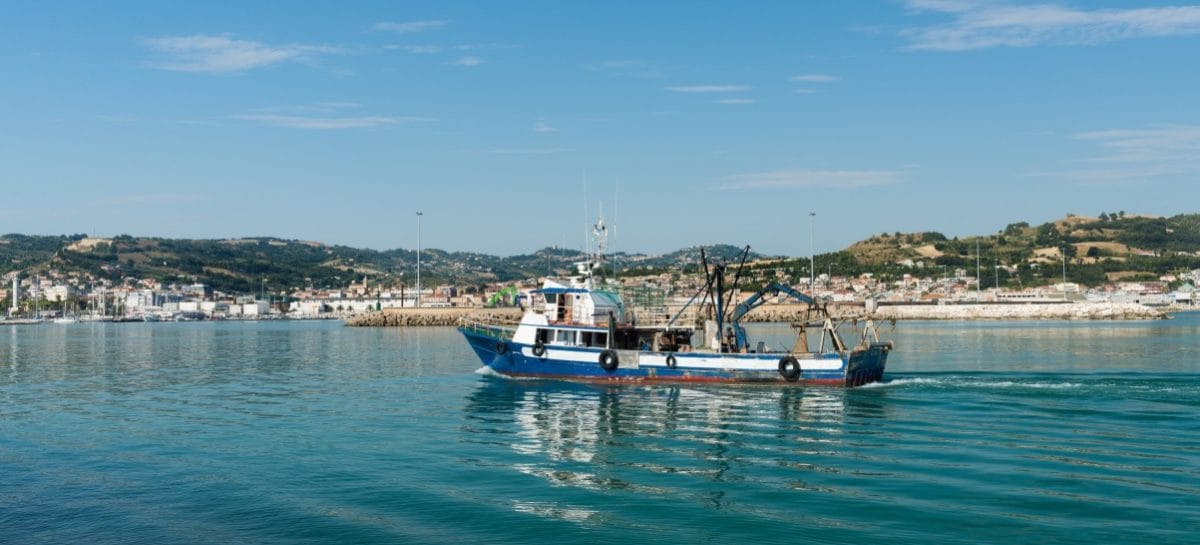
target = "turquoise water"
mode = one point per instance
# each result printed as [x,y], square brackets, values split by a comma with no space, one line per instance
[292,432]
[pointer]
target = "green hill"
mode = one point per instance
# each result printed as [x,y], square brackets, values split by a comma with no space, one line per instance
[1097,249]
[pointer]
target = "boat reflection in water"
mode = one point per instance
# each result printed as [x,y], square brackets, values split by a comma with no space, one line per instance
[670,440]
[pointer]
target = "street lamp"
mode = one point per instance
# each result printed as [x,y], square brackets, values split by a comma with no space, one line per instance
[812,257]
[1064,256]
[419,258]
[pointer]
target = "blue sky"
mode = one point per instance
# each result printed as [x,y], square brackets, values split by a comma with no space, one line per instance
[690,123]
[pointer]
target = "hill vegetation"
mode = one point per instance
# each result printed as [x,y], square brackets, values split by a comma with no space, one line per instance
[1111,246]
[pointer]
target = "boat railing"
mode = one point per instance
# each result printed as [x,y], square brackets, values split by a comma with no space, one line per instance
[488,330]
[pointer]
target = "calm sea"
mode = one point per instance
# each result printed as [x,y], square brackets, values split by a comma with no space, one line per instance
[310,432]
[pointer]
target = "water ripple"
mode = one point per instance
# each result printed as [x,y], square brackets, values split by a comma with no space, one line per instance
[314,433]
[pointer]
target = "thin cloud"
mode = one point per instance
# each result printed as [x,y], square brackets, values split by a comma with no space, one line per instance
[1132,156]
[417,49]
[814,78]
[1139,155]
[987,25]
[541,126]
[203,53]
[526,151]
[735,101]
[409,27]
[154,198]
[486,47]
[1132,175]
[328,123]
[338,105]
[789,178]
[467,61]
[327,107]
[636,68]
[1174,144]
[709,88]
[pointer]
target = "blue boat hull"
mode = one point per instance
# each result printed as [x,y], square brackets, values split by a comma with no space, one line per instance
[505,357]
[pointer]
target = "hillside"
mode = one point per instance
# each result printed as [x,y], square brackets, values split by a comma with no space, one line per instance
[1098,249]
[247,265]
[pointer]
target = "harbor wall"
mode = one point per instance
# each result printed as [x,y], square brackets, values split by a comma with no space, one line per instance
[410,317]
[977,311]
[395,317]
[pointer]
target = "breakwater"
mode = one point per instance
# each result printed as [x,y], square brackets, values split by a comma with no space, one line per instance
[408,317]
[414,317]
[979,311]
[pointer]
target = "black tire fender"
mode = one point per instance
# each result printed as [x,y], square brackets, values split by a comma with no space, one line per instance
[789,368]
[609,361]
[501,348]
[539,349]
[671,361]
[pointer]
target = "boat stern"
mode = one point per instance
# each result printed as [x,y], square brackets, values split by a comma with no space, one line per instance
[866,364]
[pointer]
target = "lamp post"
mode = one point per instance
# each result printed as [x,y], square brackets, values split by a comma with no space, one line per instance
[812,256]
[419,258]
[1065,270]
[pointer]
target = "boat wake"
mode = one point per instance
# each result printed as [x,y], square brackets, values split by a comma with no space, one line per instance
[1075,382]
[974,382]
[489,372]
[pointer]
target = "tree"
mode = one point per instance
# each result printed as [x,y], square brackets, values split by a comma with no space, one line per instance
[1103,216]
[1047,235]
[1121,214]
[1014,229]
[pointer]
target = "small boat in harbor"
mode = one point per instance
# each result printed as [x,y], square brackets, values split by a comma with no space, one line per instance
[575,330]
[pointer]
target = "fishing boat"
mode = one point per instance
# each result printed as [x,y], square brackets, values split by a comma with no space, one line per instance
[574,329]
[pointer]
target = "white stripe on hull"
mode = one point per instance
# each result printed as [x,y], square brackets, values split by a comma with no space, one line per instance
[687,361]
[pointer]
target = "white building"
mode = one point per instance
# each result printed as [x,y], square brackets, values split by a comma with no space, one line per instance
[214,307]
[141,299]
[58,292]
[257,308]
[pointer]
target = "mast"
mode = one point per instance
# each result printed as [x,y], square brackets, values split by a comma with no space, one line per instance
[719,272]
[738,275]
[812,256]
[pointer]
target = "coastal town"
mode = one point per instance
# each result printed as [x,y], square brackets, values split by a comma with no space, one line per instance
[74,296]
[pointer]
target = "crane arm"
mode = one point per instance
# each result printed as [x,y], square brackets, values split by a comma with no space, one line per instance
[755,301]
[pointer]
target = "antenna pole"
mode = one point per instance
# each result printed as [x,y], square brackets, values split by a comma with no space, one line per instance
[976,268]
[812,256]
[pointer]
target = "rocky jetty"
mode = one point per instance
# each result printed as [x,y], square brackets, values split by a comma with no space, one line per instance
[413,317]
[984,311]
[1068,311]
[417,317]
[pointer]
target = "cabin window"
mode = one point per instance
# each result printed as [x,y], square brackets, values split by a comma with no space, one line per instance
[594,339]
[564,336]
[543,336]
[550,298]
